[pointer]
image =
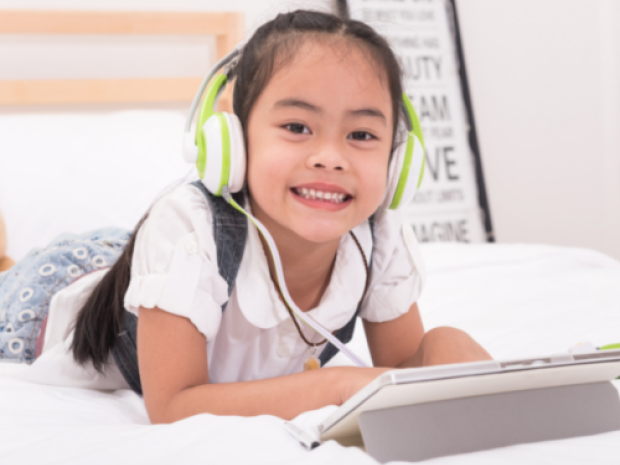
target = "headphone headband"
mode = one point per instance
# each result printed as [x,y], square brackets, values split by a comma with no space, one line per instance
[226,60]
[412,117]
[206,111]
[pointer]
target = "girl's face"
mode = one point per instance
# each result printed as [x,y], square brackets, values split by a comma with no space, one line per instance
[319,140]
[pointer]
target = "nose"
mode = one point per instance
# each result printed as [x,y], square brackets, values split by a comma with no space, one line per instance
[330,157]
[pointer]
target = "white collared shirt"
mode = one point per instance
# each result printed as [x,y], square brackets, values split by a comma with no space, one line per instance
[175,269]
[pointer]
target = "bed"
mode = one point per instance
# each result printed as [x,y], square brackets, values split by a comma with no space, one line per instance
[86,169]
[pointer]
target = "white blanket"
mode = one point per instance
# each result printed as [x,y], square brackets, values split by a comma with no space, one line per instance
[517,300]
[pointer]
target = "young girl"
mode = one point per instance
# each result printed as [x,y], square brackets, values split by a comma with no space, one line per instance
[319,102]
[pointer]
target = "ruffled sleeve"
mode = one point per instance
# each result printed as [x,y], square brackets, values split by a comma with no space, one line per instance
[398,271]
[174,265]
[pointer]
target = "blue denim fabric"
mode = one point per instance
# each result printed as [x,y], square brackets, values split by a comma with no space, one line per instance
[27,288]
[230,230]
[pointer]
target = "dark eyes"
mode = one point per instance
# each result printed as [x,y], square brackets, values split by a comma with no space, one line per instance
[361,136]
[298,128]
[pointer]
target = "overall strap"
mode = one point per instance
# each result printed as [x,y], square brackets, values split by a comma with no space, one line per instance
[230,232]
[345,334]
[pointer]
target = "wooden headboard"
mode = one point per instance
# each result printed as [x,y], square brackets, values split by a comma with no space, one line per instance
[228,29]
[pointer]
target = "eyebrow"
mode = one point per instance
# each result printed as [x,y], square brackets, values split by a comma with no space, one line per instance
[373,112]
[293,102]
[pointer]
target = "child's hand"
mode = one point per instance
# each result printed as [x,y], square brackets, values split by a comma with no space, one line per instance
[439,346]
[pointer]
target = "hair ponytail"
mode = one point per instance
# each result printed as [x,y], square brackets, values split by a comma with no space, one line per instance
[102,317]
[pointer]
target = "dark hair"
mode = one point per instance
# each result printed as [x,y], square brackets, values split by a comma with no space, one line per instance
[102,317]
[273,45]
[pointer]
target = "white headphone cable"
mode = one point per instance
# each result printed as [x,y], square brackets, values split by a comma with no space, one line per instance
[282,284]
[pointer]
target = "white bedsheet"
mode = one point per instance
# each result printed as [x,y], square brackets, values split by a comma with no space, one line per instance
[517,300]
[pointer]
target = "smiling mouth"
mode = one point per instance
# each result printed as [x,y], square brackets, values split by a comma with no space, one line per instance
[323,196]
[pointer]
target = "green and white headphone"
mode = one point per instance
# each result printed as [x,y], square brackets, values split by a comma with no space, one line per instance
[218,149]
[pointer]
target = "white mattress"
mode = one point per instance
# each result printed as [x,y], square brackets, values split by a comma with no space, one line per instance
[65,172]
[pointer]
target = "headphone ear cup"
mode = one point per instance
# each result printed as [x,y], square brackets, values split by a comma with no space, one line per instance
[236,178]
[406,174]
[211,165]
[224,159]
[393,174]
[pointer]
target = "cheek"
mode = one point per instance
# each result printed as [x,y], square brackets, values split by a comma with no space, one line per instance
[375,182]
[268,171]
[257,171]
[257,165]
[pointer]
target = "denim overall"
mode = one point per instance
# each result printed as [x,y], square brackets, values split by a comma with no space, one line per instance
[27,288]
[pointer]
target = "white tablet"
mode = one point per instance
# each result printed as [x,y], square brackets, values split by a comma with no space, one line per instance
[429,384]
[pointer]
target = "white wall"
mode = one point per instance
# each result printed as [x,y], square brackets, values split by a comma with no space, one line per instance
[544,78]
[109,56]
[257,11]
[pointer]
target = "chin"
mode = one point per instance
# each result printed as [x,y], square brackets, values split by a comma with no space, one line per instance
[319,232]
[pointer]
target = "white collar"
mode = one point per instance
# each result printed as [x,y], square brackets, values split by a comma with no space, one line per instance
[260,302]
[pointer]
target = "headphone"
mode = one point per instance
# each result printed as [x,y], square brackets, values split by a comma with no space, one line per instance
[218,149]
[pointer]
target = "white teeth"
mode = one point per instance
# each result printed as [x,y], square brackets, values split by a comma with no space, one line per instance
[333,197]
